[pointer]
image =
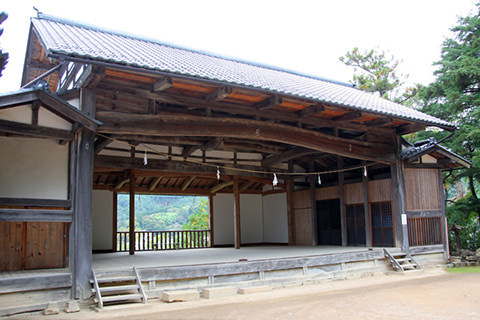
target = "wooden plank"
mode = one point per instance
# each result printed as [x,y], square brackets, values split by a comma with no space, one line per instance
[348,116]
[16,99]
[380,190]
[327,193]
[35,131]
[36,215]
[32,202]
[45,245]
[422,189]
[236,213]
[353,193]
[11,246]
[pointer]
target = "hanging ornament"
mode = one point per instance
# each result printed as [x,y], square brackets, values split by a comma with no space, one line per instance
[365,171]
[218,173]
[319,180]
[145,160]
[275,180]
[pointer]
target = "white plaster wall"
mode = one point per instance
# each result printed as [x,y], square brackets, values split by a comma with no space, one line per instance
[102,220]
[33,168]
[275,221]
[223,219]
[251,220]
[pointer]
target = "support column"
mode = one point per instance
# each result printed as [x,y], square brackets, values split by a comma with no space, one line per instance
[313,202]
[341,182]
[212,224]
[131,228]
[114,222]
[366,210]
[290,206]
[81,228]
[399,200]
[446,248]
[236,213]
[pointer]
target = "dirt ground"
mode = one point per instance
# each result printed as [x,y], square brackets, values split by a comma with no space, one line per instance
[428,295]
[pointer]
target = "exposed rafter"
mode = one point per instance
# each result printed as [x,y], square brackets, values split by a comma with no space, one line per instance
[220,186]
[219,94]
[188,182]
[268,103]
[311,110]
[155,183]
[162,84]
[348,116]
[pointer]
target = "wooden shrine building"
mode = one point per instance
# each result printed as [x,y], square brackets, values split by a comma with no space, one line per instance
[284,158]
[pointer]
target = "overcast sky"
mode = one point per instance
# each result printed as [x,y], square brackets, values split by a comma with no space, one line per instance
[304,36]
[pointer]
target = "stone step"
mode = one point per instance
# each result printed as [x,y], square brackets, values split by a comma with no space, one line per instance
[218,292]
[180,295]
[256,289]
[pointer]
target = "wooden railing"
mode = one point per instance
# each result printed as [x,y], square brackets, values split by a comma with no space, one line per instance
[164,240]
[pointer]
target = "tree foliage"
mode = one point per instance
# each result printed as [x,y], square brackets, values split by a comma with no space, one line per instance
[455,96]
[3,55]
[199,220]
[374,71]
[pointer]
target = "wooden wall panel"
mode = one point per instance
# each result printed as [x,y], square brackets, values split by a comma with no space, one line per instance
[327,193]
[301,199]
[380,190]
[303,227]
[11,244]
[422,189]
[353,193]
[45,245]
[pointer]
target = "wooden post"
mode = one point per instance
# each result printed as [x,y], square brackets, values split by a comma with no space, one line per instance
[446,249]
[131,228]
[212,224]
[290,206]
[313,202]
[366,209]
[81,244]
[399,200]
[341,181]
[114,222]
[236,213]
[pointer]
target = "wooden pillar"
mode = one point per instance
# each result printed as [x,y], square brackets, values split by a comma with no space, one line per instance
[313,202]
[236,213]
[114,222]
[290,206]
[81,228]
[399,200]
[212,224]
[446,249]
[341,182]
[131,228]
[366,209]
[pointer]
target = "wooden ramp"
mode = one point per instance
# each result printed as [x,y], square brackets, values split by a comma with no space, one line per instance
[117,287]
[401,261]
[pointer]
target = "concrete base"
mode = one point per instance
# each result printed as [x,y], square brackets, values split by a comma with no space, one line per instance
[248,290]
[180,295]
[220,292]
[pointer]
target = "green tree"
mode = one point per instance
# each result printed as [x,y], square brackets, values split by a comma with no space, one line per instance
[3,55]
[373,71]
[455,96]
[199,220]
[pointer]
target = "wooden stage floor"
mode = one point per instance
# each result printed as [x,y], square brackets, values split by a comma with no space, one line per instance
[122,260]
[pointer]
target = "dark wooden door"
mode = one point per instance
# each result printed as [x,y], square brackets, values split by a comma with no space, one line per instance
[32,245]
[328,220]
[382,224]
[355,225]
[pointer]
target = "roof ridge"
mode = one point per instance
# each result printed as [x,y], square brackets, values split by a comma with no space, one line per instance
[84,25]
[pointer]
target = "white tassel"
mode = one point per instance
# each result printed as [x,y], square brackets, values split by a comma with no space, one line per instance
[365,171]
[145,160]
[319,180]
[275,180]
[218,173]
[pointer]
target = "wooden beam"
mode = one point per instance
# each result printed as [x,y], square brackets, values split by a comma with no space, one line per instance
[101,143]
[348,116]
[188,150]
[188,182]
[247,185]
[213,144]
[236,213]
[219,94]
[36,215]
[33,202]
[379,122]
[155,183]
[269,103]
[310,111]
[35,131]
[162,84]
[288,155]
[185,125]
[121,183]
[221,186]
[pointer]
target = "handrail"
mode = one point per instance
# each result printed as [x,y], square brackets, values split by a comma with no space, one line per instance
[164,240]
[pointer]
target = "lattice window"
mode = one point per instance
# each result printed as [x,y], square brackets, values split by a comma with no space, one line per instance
[424,231]
[382,224]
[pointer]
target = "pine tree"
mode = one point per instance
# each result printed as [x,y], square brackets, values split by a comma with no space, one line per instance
[3,55]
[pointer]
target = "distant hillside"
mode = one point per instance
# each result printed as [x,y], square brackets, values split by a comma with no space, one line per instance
[157,213]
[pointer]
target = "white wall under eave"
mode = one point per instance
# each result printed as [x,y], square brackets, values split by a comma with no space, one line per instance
[33,168]
[275,221]
[223,219]
[102,220]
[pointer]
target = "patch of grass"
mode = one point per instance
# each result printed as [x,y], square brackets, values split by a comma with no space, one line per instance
[474,269]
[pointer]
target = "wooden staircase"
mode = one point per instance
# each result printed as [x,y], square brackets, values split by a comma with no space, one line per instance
[401,261]
[116,288]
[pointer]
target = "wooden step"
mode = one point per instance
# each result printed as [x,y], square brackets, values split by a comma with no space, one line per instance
[404,260]
[122,297]
[116,279]
[129,287]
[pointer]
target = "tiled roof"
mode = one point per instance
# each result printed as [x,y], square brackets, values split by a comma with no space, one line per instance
[71,39]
